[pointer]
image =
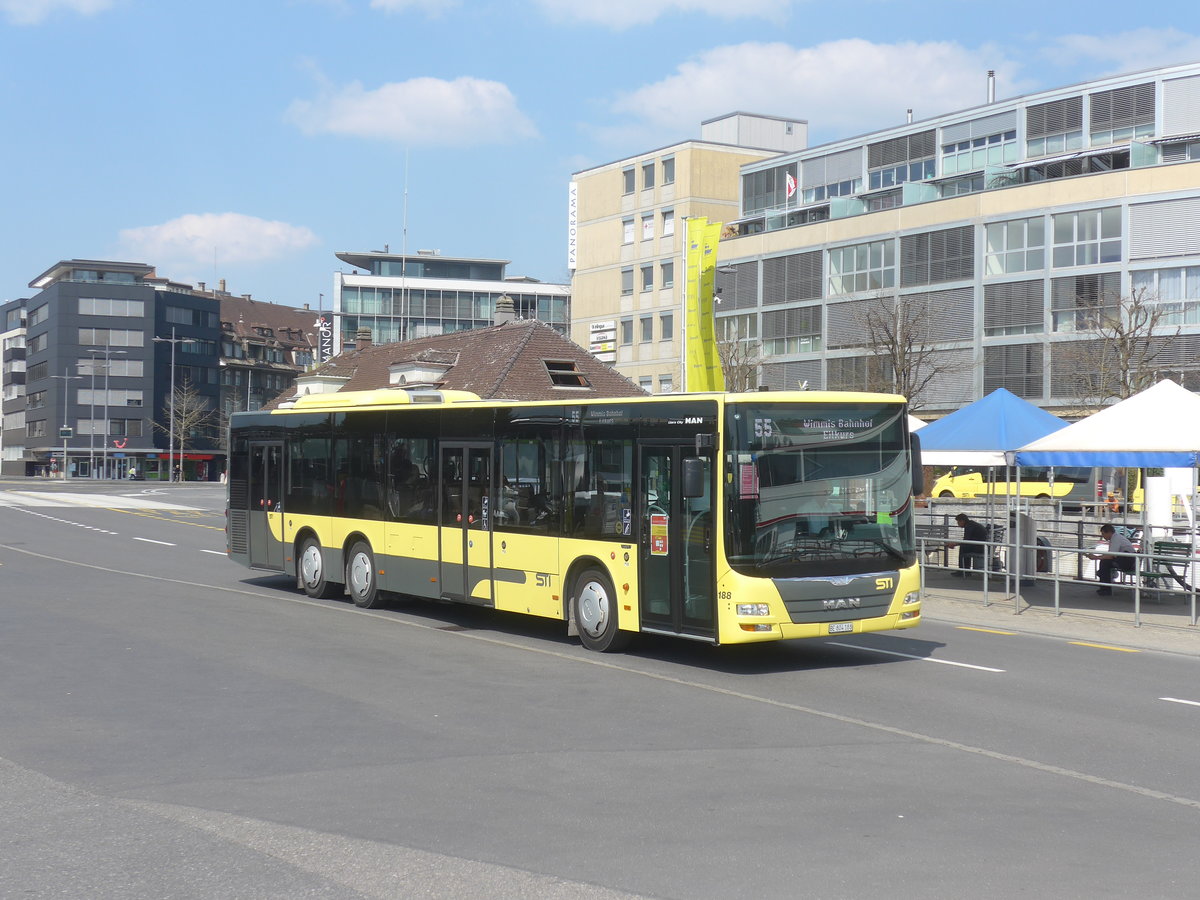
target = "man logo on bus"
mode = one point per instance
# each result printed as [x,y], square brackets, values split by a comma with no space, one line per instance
[842,603]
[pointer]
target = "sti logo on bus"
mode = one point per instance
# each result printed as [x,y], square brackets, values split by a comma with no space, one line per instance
[541,579]
[884,584]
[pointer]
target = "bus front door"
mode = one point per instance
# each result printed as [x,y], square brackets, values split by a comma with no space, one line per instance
[675,544]
[465,478]
[265,518]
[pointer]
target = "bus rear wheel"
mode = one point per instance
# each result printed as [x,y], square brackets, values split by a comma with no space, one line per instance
[594,606]
[945,494]
[311,568]
[361,583]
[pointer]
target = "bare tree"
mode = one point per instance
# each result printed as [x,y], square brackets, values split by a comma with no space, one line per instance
[741,357]
[1121,350]
[902,334]
[193,416]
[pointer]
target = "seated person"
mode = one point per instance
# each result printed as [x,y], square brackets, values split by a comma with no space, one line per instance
[1117,543]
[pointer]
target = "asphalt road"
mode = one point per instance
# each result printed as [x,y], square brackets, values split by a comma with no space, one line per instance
[172,725]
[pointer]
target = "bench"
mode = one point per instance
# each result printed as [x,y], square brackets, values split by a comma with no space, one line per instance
[934,538]
[1170,561]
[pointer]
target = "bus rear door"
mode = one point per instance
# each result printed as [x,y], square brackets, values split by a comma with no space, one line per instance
[465,478]
[677,590]
[265,515]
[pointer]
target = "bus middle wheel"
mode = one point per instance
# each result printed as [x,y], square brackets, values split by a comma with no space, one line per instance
[361,583]
[594,605]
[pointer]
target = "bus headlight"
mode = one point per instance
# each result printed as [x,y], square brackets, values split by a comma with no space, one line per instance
[912,597]
[753,609]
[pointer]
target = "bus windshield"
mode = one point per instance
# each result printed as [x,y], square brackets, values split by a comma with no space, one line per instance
[818,489]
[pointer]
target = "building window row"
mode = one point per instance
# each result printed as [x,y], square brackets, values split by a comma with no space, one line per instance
[112,337]
[665,166]
[108,306]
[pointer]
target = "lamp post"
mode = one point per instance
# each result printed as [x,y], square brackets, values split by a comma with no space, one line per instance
[172,340]
[108,351]
[64,434]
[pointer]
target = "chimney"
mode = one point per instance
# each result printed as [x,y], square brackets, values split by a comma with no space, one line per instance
[201,285]
[910,115]
[506,310]
[245,296]
[991,86]
[362,339]
[221,284]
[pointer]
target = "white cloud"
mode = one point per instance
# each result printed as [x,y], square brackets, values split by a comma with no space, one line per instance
[625,13]
[31,12]
[430,7]
[842,87]
[427,111]
[1128,51]
[232,237]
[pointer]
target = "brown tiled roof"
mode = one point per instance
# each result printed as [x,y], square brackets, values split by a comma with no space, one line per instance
[501,362]
[291,327]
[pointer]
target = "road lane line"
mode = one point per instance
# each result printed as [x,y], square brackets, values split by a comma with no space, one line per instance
[1177,700]
[944,662]
[985,630]
[589,660]
[1104,647]
[217,552]
[148,541]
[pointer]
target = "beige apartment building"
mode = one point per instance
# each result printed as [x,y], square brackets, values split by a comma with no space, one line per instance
[627,225]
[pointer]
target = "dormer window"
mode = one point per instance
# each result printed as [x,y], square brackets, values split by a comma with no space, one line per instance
[565,373]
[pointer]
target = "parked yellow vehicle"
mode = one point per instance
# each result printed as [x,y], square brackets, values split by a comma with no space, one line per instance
[1067,483]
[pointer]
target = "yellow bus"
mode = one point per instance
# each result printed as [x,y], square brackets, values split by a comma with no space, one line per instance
[722,518]
[1071,484]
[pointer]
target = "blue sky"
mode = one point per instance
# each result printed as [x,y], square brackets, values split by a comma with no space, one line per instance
[252,140]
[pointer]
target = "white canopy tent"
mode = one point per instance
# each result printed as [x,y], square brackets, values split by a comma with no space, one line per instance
[1158,427]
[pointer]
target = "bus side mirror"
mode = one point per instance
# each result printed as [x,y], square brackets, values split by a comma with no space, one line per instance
[918,470]
[693,477]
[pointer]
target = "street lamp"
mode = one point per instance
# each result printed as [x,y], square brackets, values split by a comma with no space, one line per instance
[172,340]
[64,433]
[108,351]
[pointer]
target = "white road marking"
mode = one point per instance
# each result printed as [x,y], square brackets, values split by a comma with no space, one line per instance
[148,541]
[1177,700]
[93,501]
[944,662]
[65,521]
[217,552]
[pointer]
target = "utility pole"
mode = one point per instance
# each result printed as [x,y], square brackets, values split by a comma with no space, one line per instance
[172,340]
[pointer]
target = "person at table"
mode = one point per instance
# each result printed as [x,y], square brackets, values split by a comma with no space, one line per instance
[1110,559]
[973,547]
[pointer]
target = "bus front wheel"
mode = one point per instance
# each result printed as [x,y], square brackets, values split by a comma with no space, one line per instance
[945,494]
[312,570]
[594,605]
[361,582]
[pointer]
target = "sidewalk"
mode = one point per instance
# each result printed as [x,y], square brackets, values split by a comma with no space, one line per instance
[1085,616]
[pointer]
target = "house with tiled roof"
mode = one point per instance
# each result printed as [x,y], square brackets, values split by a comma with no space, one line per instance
[520,359]
[264,346]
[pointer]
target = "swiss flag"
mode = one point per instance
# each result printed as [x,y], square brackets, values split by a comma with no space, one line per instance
[791,185]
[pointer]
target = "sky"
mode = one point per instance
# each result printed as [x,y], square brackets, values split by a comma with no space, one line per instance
[251,140]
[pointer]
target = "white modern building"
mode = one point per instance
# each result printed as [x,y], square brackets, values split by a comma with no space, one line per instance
[1017,225]
[400,296]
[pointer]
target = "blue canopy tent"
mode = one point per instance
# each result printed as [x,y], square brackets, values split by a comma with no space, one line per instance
[982,433]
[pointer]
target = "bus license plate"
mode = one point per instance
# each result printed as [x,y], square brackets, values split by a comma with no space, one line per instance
[841,627]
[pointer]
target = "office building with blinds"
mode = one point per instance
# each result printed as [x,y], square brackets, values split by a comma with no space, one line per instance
[400,297]
[626,226]
[1011,231]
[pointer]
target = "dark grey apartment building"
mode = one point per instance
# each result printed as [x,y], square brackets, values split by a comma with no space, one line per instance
[104,344]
